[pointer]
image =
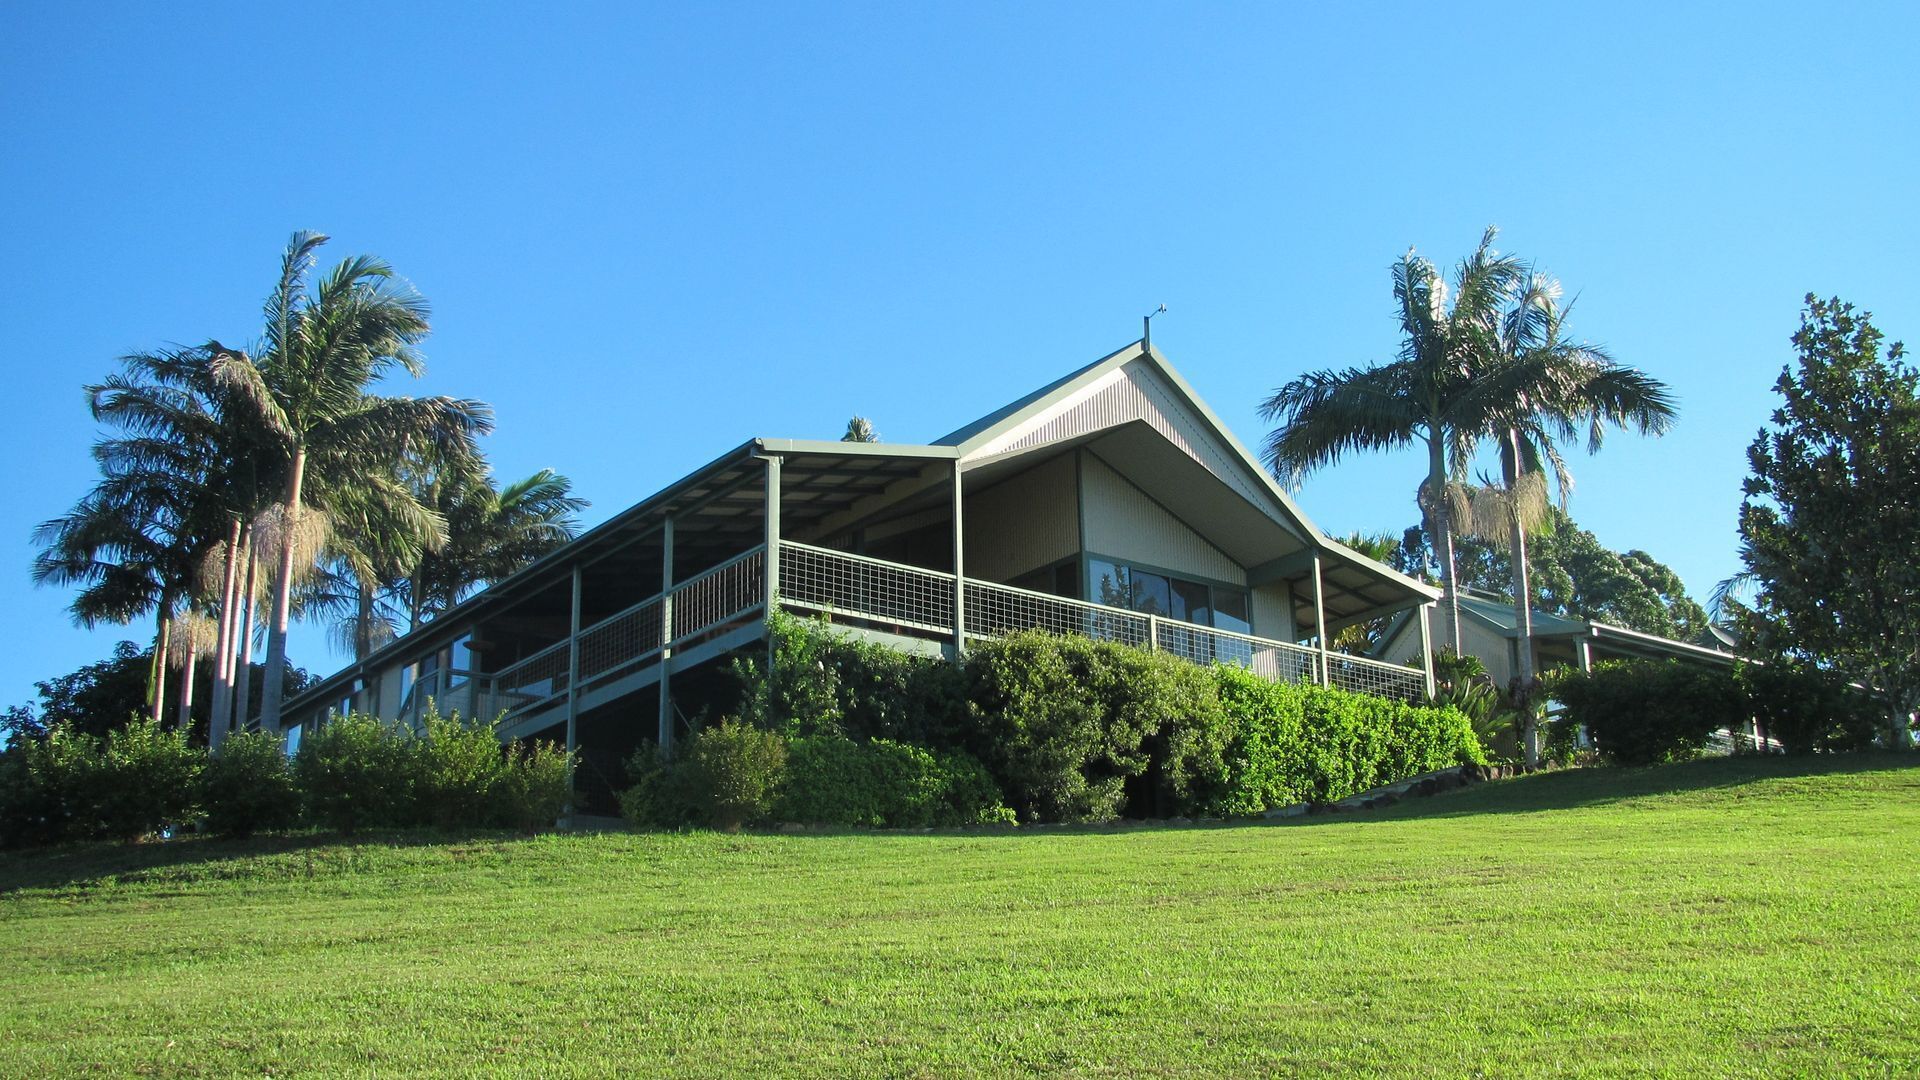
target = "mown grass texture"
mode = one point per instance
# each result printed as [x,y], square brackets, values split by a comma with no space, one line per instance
[1740,917]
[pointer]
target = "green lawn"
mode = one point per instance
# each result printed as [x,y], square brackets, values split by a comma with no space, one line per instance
[1725,918]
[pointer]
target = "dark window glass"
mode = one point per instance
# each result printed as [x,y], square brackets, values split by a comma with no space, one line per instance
[1065,580]
[1152,594]
[1190,602]
[1230,610]
[1107,583]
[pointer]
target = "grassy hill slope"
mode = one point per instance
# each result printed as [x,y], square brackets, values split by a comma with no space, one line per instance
[1725,918]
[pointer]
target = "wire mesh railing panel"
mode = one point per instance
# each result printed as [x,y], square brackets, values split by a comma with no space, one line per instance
[620,639]
[721,594]
[993,610]
[883,592]
[1277,660]
[1365,676]
[533,680]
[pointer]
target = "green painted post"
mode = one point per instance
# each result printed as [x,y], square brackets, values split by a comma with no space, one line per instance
[1320,622]
[666,635]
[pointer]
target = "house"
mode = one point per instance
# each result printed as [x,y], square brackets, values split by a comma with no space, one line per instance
[1111,502]
[1490,630]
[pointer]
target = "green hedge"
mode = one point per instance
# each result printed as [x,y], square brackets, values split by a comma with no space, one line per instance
[354,773]
[1060,727]
[1645,712]
[1296,743]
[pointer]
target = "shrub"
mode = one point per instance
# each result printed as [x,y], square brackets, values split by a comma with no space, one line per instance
[826,683]
[534,787]
[1644,712]
[1808,709]
[834,780]
[356,772]
[47,788]
[657,795]
[148,778]
[734,771]
[1038,726]
[459,770]
[249,786]
[1296,743]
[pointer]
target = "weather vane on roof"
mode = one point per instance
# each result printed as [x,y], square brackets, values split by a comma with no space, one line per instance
[1146,327]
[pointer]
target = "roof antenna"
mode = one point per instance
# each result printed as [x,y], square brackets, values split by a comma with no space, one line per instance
[1146,328]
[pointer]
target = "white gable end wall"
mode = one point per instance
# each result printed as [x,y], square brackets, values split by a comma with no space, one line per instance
[1136,392]
[1123,523]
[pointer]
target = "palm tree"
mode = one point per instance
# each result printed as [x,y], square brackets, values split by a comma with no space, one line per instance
[491,533]
[1420,396]
[860,429]
[320,352]
[1541,389]
[141,538]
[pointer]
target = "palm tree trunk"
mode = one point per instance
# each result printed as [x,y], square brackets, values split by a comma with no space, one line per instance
[274,691]
[362,618]
[186,685]
[1443,525]
[161,638]
[1524,682]
[243,662]
[221,711]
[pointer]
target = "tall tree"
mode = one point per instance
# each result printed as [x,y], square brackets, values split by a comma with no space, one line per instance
[860,429]
[1419,397]
[1542,389]
[1830,522]
[308,382]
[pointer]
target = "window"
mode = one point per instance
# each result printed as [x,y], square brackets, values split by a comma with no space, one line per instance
[1116,584]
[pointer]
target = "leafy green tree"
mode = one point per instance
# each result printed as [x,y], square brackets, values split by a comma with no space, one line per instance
[101,697]
[1830,522]
[1573,575]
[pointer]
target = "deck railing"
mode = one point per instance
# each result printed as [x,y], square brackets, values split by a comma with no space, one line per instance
[911,599]
[889,596]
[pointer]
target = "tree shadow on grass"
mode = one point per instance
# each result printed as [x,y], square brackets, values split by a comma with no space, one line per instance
[1570,789]
[102,863]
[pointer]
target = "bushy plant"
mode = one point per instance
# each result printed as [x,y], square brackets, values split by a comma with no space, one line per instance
[249,786]
[47,788]
[657,794]
[833,780]
[147,779]
[1644,712]
[733,771]
[459,771]
[1296,743]
[1039,726]
[1809,709]
[357,772]
[534,787]
[826,682]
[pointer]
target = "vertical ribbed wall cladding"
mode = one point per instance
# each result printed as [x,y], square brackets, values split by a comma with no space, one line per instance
[1129,394]
[1024,523]
[1123,523]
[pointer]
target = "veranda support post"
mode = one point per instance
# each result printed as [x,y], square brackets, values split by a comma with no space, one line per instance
[1425,614]
[1320,623]
[666,635]
[959,566]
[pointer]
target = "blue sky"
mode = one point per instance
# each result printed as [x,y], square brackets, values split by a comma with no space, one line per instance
[651,232]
